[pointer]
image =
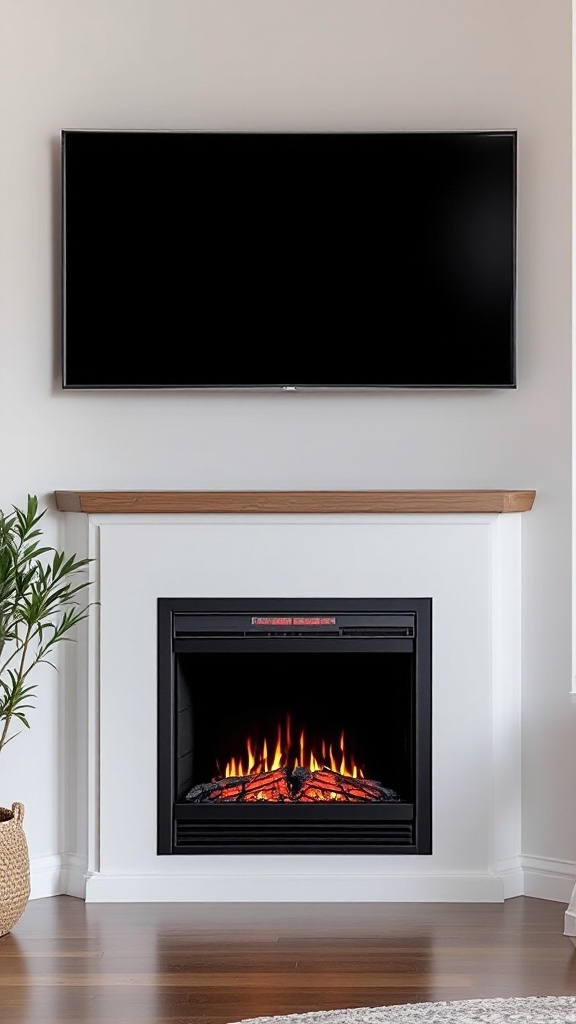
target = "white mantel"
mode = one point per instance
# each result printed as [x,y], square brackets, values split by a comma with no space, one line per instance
[469,562]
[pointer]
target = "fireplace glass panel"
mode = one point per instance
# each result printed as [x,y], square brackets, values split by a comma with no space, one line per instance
[292,720]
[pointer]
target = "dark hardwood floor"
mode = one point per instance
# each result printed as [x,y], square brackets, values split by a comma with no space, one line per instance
[67,961]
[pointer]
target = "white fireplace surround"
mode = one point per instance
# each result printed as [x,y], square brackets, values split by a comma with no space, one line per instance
[469,564]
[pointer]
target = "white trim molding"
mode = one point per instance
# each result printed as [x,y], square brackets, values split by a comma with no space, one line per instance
[548,879]
[539,878]
[570,918]
[278,886]
[47,876]
[57,875]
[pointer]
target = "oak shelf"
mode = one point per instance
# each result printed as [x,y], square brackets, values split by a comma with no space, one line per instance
[322,502]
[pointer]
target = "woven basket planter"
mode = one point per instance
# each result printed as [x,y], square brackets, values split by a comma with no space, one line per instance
[14,867]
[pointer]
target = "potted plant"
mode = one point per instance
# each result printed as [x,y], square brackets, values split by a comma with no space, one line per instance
[40,605]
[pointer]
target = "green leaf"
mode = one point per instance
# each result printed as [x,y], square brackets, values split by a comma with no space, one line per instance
[42,590]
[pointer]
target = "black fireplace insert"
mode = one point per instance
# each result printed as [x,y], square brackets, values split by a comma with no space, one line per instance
[316,756]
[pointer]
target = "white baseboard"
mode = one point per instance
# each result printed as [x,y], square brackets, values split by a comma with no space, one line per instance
[57,875]
[283,888]
[549,879]
[75,876]
[540,877]
[512,876]
[570,918]
[46,876]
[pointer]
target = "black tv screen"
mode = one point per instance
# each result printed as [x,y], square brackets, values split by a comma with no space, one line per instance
[288,260]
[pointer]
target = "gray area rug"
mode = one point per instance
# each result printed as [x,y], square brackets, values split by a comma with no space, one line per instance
[527,1010]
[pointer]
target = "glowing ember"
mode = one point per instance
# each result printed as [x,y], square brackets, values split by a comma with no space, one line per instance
[296,786]
[285,753]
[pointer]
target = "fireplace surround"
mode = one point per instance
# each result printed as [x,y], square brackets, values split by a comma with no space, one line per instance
[269,756]
[460,549]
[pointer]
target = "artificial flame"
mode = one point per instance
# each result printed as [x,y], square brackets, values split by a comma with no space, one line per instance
[285,754]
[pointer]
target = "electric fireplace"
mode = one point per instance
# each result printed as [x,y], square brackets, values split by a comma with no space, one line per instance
[317,756]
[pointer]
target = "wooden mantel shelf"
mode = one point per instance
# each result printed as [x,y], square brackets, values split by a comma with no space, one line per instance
[323,502]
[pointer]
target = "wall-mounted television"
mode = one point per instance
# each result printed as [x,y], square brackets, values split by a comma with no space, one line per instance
[342,260]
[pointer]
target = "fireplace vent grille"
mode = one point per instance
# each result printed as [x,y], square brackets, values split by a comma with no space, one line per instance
[370,837]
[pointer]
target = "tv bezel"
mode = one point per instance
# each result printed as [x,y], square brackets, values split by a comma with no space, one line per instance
[290,387]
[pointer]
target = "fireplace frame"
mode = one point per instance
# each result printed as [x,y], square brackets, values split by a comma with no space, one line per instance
[368,828]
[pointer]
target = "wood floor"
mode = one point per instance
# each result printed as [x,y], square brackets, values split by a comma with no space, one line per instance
[67,961]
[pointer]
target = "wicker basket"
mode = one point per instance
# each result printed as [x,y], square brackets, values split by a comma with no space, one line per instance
[14,867]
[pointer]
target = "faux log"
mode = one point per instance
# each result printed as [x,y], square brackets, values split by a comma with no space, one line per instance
[292,786]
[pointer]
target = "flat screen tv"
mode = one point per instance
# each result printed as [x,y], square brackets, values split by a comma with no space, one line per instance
[288,260]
